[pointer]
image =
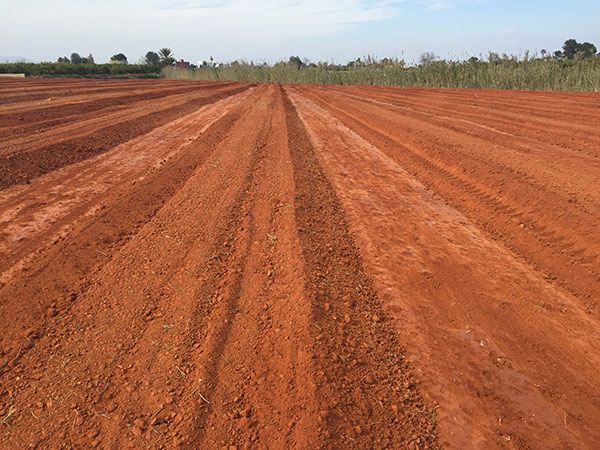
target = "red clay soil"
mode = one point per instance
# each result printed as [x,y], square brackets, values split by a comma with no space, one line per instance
[204,265]
[24,158]
[29,117]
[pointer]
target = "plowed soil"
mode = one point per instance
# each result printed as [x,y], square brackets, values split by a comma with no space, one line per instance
[225,265]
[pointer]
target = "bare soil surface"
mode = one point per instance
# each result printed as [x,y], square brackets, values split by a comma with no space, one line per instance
[222,265]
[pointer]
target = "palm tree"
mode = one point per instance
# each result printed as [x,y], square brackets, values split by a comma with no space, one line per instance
[166,57]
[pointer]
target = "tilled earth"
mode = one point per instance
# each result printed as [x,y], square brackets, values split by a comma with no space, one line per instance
[225,265]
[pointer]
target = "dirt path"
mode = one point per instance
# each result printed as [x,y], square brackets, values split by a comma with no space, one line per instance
[234,266]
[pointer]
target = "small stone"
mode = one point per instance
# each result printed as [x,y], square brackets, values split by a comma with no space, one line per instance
[346,318]
[358,429]
[376,318]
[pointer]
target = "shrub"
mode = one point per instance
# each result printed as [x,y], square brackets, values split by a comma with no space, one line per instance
[79,70]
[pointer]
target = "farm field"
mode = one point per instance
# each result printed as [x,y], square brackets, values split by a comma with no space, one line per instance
[227,265]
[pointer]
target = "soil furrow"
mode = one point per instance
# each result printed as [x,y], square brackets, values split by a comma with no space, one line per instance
[25,166]
[228,265]
[38,119]
[525,229]
[519,128]
[56,92]
[39,211]
[68,86]
[510,99]
[489,147]
[413,262]
[50,106]
[363,379]
[67,131]
[251,320]
[86,247]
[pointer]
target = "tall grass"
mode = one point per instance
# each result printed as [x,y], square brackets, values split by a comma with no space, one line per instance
[535,74]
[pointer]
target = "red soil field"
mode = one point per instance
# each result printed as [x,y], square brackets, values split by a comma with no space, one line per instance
[224,265]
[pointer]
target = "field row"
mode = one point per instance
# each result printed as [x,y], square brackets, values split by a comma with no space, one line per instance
[222,264]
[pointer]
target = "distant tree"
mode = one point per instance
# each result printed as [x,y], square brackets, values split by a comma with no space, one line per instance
[585,50]
[166,57]
[119,58]
[473,59]
[296,62]
[152,59]
[427,58]
[64,59]
[90,59]
[558,54]
[544,52]
[570,48]
[76,59]
[573,49]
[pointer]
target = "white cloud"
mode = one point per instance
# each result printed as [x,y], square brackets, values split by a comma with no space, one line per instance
[287,17]
[443,5]
[259,29]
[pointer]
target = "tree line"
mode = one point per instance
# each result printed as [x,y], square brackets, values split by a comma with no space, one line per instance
[571,51]
[163,58]
[575,66]
[77,59]
[575,50]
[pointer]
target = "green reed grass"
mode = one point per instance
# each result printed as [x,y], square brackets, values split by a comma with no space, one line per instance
[536,74]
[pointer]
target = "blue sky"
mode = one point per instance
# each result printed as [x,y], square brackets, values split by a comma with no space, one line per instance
[266,30]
